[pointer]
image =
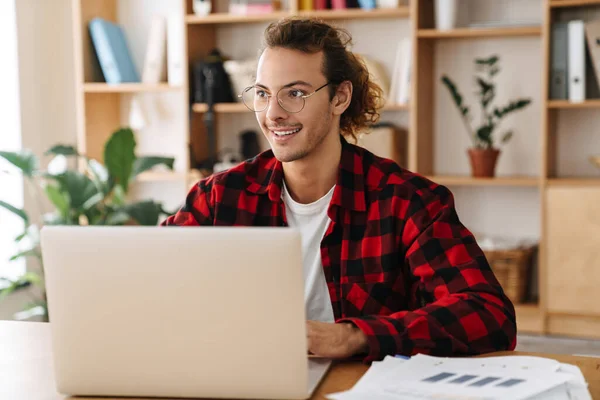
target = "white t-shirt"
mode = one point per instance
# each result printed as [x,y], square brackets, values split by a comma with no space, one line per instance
[312,221]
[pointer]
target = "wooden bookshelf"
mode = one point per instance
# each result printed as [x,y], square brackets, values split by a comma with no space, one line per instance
[475,33]
[100,108]
[471,181]
[566,104]
[128,88]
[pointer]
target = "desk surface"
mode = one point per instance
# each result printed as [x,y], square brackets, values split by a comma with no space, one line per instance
[26,366]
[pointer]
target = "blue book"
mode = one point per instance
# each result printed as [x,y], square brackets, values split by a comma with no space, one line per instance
[112,51]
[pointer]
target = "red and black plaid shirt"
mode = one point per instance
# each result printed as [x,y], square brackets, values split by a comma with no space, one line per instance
[398,262]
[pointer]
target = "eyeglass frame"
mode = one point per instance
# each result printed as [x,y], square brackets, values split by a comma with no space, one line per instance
[304,97]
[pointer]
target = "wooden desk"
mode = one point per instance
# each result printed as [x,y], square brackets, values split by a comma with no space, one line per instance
[26,371]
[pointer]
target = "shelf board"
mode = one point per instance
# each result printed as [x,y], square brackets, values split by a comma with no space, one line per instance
[357,13]
[226,18]
[233,108]
[573,3]
[101,87]
[470,181]
[463,33]
[592,103]
[574,182]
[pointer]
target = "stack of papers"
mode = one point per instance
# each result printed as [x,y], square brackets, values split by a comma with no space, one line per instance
[426,377]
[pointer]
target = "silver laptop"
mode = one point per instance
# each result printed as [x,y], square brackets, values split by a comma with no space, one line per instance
[178,312]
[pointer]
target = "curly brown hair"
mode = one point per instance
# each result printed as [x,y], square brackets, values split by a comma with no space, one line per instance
[310,35]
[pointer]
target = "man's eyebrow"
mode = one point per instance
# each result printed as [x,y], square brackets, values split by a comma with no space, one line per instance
[294,83]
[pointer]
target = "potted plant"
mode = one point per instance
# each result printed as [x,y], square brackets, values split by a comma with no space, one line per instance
[484,153]
[95,196]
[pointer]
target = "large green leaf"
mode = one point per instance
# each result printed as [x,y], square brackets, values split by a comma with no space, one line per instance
[58,198]
[17,211]
[142,164]
[24,160]
[79,188]
[27,253]
[14,285]
[145,212]
[63,150]
[119,155]
[117,218]
[99,175]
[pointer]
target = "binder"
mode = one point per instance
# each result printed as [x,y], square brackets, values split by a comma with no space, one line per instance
[576,68]
[154,61]
[112,52]
[559,61]
[592,32]
[175,49]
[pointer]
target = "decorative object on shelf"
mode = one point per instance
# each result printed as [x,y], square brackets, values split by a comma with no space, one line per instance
[241,73]
[511,261]
[112,52]
[377,72]
[202,7]
[446,12]
[387,3]
[595,160]
[484,154]
[97,196]
[249,145]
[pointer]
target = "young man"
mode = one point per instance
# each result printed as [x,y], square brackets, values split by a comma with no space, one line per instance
[388,266]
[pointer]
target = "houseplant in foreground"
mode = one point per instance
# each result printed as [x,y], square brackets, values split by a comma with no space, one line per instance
[484,151]
[93,195]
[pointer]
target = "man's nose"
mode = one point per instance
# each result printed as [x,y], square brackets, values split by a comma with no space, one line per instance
[275,111]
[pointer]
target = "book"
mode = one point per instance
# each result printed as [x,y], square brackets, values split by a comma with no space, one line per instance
[112,52]
[154,70]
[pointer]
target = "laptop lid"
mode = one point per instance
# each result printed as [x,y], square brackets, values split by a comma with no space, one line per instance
[177,312]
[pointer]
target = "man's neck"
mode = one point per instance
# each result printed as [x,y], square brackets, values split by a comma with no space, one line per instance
[310,178]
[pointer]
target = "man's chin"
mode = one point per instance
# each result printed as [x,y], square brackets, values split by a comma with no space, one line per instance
[288,157]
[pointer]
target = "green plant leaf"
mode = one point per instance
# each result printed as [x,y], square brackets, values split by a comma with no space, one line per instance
[26,253]
[58,198]
[118,195]
[143,164]
[117,218]
[24,160]
[456,96]
[487,91]
[145,212]
[484,134]
[92,202]
[78,187]
[14,286]
[507,136]
[119,155]
[99,175]
[17,211]
[511,107]
[63,150]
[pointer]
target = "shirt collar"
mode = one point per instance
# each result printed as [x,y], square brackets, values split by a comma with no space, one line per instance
[349,192]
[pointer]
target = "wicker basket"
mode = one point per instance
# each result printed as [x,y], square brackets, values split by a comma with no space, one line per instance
[511,268]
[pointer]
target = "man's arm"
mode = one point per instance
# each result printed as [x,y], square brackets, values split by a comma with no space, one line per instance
[197,209]
[465,310]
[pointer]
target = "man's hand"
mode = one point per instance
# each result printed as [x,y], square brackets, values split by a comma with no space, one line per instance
[335,340]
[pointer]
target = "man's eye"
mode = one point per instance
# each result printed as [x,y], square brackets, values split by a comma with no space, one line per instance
[296,93]
[261,93]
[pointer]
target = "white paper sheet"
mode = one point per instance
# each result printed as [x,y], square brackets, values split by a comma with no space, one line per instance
[426,377]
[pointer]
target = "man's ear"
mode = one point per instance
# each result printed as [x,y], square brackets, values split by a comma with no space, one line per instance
[342,98]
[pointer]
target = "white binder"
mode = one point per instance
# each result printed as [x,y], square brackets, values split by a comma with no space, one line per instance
[175,49]
[576,61]
[155,63]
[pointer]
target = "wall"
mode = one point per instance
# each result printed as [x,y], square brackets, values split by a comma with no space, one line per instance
[47,112]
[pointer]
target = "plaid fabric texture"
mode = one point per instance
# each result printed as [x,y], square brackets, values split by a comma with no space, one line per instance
[398,262]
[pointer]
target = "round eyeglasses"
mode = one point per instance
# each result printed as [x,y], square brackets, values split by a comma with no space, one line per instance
[291,99]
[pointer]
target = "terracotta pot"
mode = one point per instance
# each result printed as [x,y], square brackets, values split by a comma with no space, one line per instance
[483,162]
